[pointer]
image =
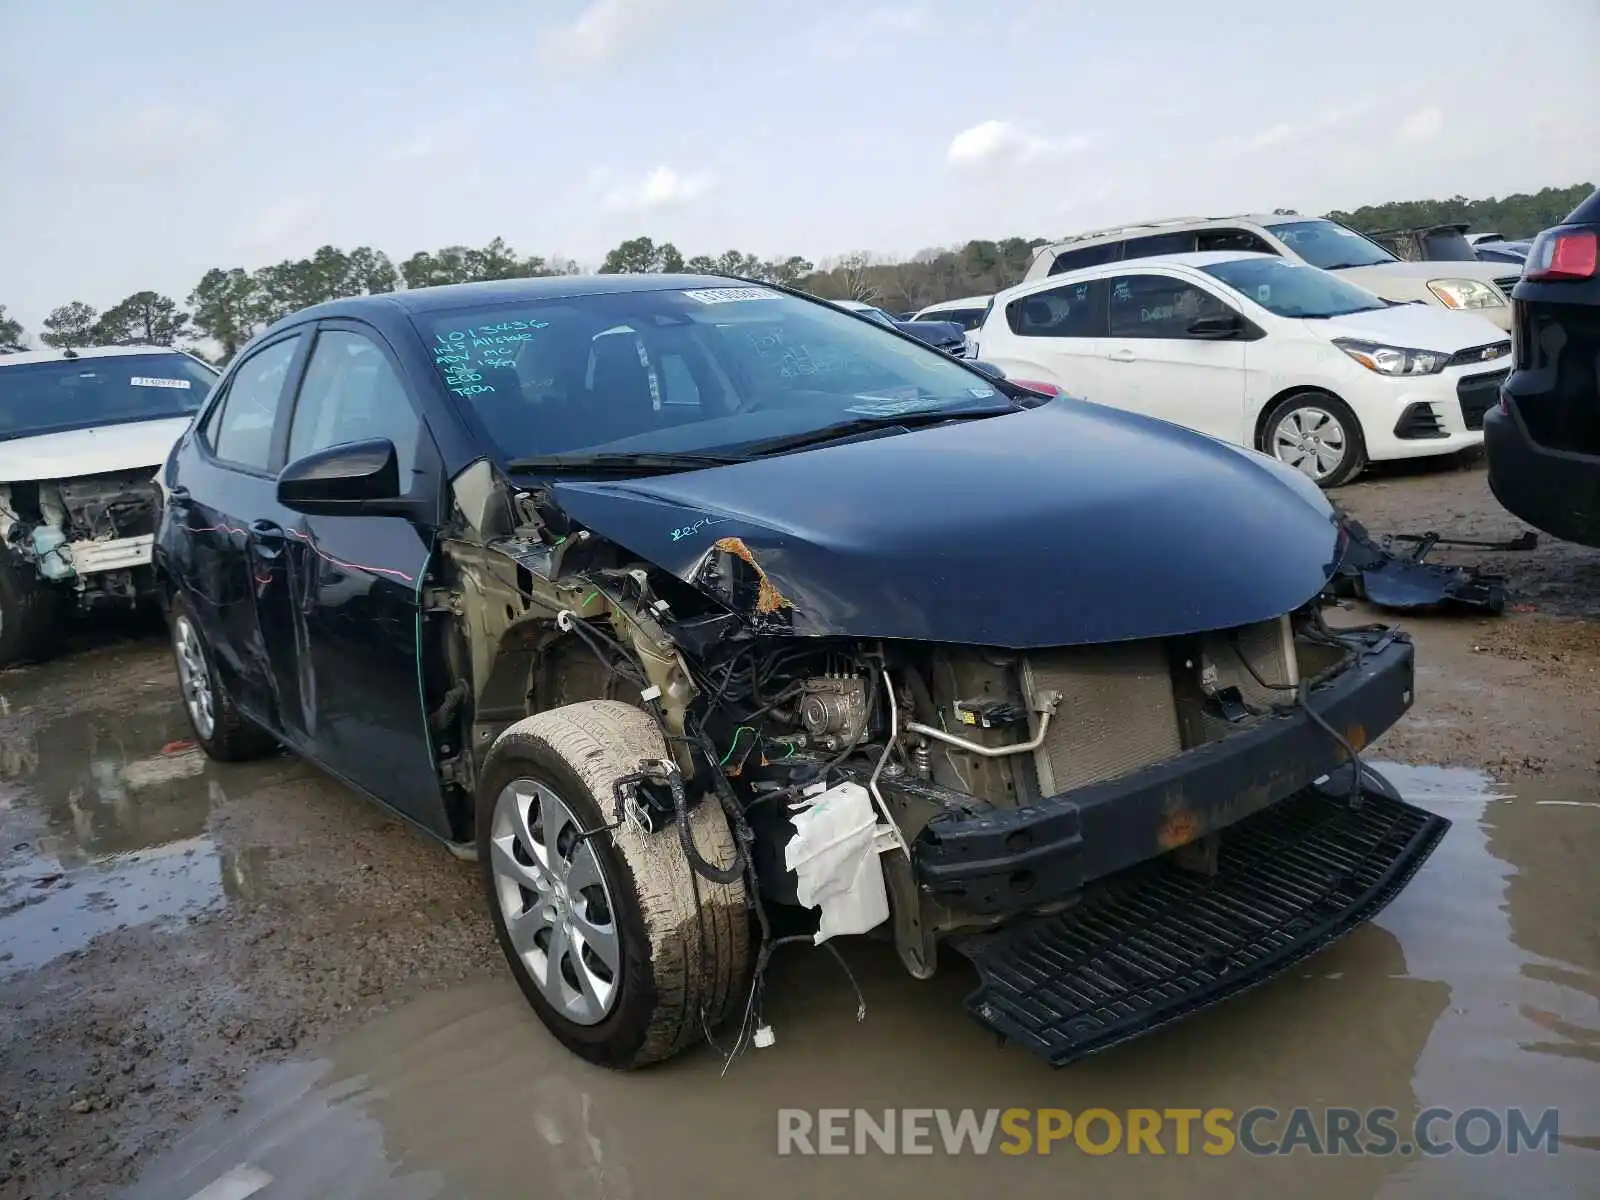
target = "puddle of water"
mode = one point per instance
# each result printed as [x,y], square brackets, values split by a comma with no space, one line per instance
[102,824]
[1477,986]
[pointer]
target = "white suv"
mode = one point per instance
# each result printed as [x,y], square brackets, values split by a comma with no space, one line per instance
[1254,349]
[1475,287]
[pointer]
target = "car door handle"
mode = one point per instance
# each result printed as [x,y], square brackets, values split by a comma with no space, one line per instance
[1123,356]
[268,536]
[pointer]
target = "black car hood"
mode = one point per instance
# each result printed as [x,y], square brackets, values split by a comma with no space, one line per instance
[1066,524]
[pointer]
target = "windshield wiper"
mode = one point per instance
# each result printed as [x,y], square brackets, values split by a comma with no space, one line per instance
[1348,266]
[845,429]
[642,462]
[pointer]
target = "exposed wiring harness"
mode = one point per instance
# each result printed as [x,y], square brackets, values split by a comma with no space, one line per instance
[1302,695]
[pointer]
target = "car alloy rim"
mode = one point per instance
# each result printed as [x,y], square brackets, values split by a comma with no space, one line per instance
[555,901]
[1310,440]
[194,678]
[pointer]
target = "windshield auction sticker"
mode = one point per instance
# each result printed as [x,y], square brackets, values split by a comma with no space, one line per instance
[729,294]
[151,381]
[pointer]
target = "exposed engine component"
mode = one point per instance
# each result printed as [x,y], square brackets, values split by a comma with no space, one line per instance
[833,710]
[95,531]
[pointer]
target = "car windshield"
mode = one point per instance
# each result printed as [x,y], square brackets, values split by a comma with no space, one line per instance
[676,371]
[1329,245]
[78,393]
[1293,289]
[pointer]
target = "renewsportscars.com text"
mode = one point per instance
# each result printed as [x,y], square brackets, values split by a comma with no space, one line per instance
[1162,1131]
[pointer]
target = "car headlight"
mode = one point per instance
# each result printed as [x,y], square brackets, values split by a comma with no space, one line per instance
[1468,294]
[1393,360]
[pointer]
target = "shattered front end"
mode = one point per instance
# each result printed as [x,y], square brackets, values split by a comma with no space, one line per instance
[1115,833]
[91,534]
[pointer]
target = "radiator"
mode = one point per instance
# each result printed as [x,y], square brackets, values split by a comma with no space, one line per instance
[1117,712]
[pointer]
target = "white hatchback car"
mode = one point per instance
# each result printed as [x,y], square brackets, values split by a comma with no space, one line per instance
[1254,349]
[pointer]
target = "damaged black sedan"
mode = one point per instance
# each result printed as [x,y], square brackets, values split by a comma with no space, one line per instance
[712,620]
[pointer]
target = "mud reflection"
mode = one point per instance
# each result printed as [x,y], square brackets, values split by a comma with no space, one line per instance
[1476,987]
[102,824]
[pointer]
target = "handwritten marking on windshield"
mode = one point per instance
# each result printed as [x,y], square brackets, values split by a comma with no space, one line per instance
[461,353]
[151,381]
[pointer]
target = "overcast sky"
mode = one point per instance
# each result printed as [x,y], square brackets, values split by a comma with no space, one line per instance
[143,143]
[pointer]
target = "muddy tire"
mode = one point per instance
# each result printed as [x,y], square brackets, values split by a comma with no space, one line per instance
[31,613]
[603,934]
[221,729]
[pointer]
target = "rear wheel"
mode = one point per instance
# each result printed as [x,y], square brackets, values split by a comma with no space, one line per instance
[31,613]
[1317,434]
[219,726]
[626,955]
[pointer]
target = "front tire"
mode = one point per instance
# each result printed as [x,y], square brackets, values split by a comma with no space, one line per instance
[220,728]
[31,613]
[603,933]
[1318,435]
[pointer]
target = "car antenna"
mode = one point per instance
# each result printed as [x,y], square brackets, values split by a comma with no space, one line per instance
[68,352]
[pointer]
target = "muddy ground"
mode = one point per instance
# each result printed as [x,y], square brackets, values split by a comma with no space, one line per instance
[205,966]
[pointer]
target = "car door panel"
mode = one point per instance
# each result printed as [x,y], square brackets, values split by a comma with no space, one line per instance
[346,621]
[227,480]
[1055,329]
[1153,366]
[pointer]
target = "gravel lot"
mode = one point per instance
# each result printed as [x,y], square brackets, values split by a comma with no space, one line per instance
[171,931]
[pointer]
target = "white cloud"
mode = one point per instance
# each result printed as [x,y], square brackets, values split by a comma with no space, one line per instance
[602,31]
[284,225]
[662,187]
[872,32]
[154,139]
[994,143]
[1274,135]
[1421,125]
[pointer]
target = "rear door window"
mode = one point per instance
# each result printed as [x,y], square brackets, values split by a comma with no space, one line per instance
[1074,310]
[239,431]
[1086,256]
[1153,244]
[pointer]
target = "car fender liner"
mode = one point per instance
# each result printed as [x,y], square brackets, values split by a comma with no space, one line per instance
[1009,860]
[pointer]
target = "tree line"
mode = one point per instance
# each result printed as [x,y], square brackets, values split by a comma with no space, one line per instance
[229,304]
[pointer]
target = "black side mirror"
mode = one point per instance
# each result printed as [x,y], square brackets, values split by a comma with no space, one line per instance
[988,368]
[1218,326]
[356,477]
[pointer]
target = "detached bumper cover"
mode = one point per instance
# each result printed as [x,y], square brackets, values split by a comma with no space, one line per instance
[1159,943]
[1015,859]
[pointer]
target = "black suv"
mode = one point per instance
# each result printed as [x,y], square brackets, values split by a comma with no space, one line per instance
[1543,441]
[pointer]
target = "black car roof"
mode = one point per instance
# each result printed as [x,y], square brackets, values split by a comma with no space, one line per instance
[503,291]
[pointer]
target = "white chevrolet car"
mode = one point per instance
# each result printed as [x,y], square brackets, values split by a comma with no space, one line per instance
[82,433]
[1257,350]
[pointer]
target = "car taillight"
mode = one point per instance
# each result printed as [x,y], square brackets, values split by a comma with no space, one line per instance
[1563,254]
[1034,385]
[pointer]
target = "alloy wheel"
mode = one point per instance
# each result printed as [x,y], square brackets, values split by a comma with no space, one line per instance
[1311,440]
[194,677]
[555,901]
